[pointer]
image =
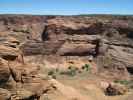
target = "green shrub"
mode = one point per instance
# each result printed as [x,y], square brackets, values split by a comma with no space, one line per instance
[123,82]
[56,70]
[50,72]
[54,76]
[86,67]
[21,30]
[131,85]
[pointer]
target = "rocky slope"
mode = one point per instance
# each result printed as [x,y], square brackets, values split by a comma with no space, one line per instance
[27,43]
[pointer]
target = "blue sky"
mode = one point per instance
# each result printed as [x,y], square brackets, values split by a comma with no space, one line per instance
[66,7]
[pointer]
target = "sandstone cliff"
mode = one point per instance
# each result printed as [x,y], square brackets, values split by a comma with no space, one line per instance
[106,42]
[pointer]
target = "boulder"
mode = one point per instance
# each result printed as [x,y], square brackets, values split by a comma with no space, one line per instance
[115,89]
[23,72]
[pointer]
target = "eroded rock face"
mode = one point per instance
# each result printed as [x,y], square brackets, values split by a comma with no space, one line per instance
[8,53]
[106,41]
[4,72]
[72,36]
[22,81]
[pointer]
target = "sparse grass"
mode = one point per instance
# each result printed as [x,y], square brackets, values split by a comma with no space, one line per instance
[107,61]
[71,71]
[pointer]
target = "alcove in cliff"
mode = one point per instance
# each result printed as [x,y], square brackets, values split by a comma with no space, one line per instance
[130,70]
[44,35]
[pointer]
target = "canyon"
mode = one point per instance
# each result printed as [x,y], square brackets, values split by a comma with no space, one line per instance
[45,57]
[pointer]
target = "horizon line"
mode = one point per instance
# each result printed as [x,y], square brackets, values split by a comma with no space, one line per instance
[65,14]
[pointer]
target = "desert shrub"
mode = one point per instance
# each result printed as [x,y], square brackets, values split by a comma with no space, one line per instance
[69,73]
[86,67]
[83,67]
[72,70]
[57,70]
[54,76]
[131,84]
[70,67]
[123,82]
[21,30]
[52,73]
[79,71]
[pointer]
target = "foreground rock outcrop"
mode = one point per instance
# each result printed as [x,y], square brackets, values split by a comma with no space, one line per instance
[20,81]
